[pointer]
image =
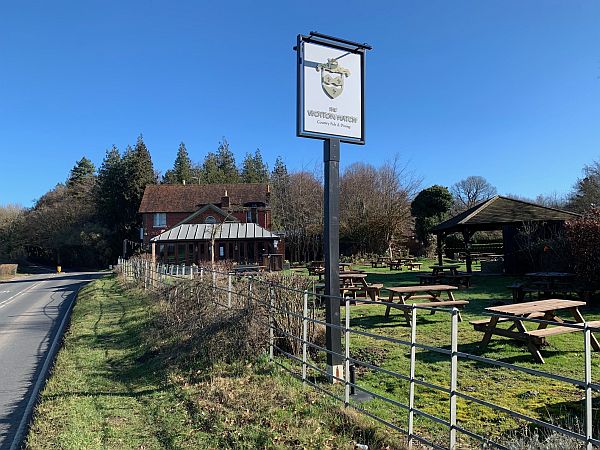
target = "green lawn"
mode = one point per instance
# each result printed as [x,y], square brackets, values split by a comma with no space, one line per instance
[112,389]
[541,398]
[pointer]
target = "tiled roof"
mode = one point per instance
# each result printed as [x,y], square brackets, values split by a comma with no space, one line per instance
[199,232]
[190,197]
[498,211]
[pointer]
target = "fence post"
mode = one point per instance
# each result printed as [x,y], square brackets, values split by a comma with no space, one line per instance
[453,376]
[304,333]
[588,386]
[271,322]
[411,386]
[250,279]
[201,273]
[229,290]
[347,352]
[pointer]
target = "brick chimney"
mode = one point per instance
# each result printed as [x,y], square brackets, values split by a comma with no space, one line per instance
[225,200]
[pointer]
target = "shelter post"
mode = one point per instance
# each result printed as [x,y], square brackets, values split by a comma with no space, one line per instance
[333,335]
[467,235]
[440,247]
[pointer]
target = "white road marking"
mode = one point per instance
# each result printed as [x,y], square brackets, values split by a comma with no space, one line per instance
[10,299]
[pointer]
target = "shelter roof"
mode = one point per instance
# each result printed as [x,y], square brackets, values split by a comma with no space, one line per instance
[190,197]
[224,231]
[498,211]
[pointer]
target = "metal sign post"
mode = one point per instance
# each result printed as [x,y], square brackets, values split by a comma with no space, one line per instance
[330,106]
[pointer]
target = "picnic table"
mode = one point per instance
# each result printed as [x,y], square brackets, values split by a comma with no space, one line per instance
[446,273]
[551,280]
[380,261]
[355,282]
[438,269]
[429,292]
[541,309]
[413,265]
[249,269]
[395,264]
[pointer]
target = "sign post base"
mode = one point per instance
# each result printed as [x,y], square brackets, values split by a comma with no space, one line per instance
[335,374]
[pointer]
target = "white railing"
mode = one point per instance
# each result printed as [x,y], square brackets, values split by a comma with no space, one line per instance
[226,283]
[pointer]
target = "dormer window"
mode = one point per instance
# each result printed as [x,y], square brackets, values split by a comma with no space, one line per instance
[160,220]
[252,215]
[210,219]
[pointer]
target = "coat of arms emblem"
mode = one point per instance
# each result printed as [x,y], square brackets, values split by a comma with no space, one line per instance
[332,77]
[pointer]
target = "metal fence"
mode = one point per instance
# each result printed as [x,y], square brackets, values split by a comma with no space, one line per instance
[230,290]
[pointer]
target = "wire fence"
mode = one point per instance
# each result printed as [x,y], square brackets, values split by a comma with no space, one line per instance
[295,323]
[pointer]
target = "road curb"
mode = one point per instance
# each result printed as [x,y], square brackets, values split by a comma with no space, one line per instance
[42,377]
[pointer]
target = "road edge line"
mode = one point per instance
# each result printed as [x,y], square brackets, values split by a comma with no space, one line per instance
[42,377]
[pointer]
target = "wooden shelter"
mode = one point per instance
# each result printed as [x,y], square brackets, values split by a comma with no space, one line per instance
[498,213]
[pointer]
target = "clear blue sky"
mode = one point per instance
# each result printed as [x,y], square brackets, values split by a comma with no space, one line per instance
[509,90]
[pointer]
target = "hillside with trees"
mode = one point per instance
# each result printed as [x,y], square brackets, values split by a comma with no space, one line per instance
[84,220]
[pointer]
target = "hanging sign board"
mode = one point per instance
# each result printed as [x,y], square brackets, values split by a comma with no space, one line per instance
[330,91]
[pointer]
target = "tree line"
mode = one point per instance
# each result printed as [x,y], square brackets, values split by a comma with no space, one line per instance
[84,220]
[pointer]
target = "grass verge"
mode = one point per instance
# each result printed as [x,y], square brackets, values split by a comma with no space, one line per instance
[111,388]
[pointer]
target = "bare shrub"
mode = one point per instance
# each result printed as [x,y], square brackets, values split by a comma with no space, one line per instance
[226,325]
[288,301]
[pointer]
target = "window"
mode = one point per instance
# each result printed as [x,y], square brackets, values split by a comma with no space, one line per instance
[160,220]
[252,215]
[210,219]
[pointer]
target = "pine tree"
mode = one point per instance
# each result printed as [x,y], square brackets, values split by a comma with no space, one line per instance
[226,163]
[280,182]
[110,188]
[182,168]
[220,167]
[254,169]
[139,173]
[83,169]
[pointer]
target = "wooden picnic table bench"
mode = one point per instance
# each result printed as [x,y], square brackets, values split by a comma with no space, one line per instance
[430,292]
[413,265]
[395,264]
[534,339]
[459,279]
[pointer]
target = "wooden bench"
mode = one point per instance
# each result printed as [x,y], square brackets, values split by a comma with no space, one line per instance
[406,308]
[481,324]
[538,336]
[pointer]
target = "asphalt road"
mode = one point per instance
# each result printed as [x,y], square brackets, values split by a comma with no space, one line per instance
[31,310]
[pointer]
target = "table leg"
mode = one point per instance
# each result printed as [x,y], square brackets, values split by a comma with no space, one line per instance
[533,349]
[488,332]
[388,307]
[579,319]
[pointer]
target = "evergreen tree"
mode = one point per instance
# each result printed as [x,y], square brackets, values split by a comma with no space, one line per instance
[226,162]
[110,188]
[280,182]
[182,168]
[220,167]
[254,169]
[139,173]
[430,207]
[83,169]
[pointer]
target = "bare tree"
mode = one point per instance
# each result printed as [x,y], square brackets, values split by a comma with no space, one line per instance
[471,191]
[375,205]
